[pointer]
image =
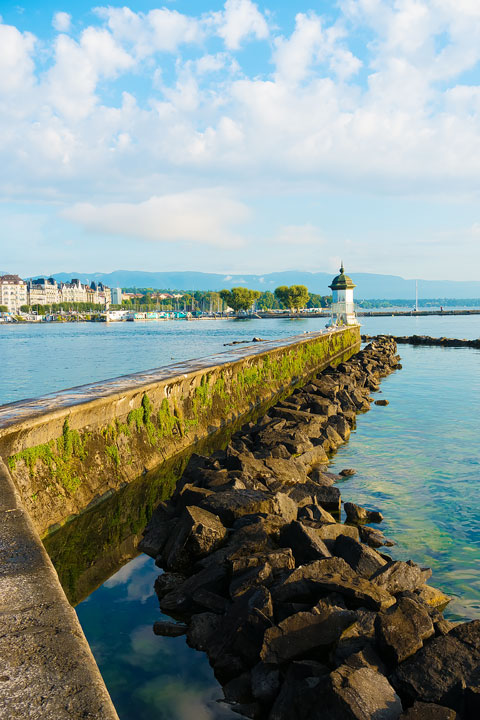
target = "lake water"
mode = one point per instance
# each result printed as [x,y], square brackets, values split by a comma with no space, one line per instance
[41,358]
[417,461]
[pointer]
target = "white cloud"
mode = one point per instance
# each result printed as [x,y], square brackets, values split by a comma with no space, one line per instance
[206,217]
[62,21]
[16,62]
[239,20]
[160,30]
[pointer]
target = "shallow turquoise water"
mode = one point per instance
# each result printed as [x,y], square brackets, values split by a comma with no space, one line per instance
[417,461]
[38,359]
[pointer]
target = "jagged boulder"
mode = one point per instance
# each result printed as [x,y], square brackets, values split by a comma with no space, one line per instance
[361,558]
[397,576]
[197,533]
[401,630]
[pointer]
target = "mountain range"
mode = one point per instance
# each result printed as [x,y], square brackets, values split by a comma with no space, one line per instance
[369,285]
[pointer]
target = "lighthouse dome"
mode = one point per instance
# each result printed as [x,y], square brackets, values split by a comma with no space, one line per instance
[342,281]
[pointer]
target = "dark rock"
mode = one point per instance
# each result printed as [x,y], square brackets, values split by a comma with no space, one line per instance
[182,598]
[169,629]
[401,630]
[287,471]
[302,693]
[332,575]
[168,582]
[347,472]
[440,671]
[358,514]
[298,634]
[329,533]
[319,476]
[239,690]
[265,683]
[197,533]
[202,628]
[284,610]
[212,479]
[243,627]
[472,696]
[360,557]
[341,426]
[279,560]
[373,537]
[243,581]
[397,576]
[311,493]
[382,402]
[315,513]
[355,638]
[363,694]
[156,535]
[313,457]
[428,711]
[366,657]
[192,495]
[334,438]
[304,542]
[210,601]
[229,505]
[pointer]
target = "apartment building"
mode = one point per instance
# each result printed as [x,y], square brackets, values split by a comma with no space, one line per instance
[13,292]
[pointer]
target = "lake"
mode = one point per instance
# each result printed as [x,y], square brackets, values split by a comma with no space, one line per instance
[417,461]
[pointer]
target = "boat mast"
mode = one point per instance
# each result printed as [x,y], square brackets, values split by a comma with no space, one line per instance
[416,295]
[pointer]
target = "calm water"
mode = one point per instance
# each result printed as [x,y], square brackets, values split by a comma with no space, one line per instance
[417,460]
[38,359]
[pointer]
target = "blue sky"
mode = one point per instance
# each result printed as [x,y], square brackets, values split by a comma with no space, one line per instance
[241,137]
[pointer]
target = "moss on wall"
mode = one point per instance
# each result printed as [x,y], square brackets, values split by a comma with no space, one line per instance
[167,419]
[60,456]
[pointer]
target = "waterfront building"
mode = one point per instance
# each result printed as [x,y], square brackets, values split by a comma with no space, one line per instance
[43,292]
[117,296]
[13,292]
[343,308]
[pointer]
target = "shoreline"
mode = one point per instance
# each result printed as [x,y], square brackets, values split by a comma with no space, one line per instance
[305,572]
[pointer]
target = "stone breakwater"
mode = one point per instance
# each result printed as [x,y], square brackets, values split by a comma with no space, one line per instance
[301,616]
[430,341]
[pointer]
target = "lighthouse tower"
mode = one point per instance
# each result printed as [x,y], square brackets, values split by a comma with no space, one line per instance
[343,309]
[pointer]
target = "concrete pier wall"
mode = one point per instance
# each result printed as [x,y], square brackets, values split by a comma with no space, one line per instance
[66,450]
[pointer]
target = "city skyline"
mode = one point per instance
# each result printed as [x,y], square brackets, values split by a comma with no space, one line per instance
[236,137]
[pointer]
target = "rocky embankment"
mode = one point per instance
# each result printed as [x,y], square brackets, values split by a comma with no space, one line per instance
[304,617]
[430,341]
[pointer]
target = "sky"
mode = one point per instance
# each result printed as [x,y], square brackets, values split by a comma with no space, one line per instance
[241,137]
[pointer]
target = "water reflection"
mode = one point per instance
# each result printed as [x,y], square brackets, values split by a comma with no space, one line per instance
[417,461]
[147,676]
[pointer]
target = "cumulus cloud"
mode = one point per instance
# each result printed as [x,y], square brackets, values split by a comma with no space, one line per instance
[206,217]
[239,20]
[397,115]
[16,61]
[62,21]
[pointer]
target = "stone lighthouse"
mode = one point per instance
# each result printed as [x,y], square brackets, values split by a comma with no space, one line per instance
[343,309]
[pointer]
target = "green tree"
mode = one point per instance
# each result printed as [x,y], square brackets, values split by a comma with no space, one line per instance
[239,298]
[319,301]
[293,297]
[3,308]
[268,301]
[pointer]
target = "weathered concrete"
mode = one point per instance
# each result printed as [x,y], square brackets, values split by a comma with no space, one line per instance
[48,670]
[67,449]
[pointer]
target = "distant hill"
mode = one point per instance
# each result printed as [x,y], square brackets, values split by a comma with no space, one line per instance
[369,285]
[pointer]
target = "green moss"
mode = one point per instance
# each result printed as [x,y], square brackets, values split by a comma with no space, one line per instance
[112,452]
[59,456]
